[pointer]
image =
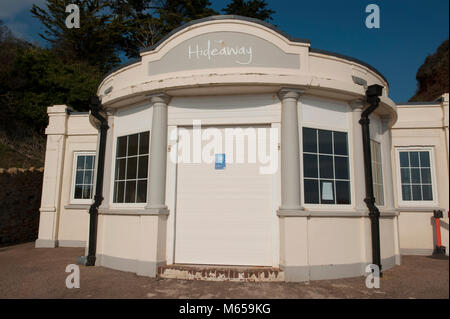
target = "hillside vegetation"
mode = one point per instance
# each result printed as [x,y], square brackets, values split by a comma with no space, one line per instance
[432,76]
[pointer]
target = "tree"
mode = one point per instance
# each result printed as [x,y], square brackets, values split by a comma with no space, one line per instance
[252,8]
[140,28]
[432,76]
[174,13]
[95,42]
[145,22]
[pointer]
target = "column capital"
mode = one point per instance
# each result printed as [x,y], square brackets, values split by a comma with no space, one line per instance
[159,98]
[290,93]
[357,104]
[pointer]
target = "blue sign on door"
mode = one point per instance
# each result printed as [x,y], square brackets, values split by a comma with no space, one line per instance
[220,161]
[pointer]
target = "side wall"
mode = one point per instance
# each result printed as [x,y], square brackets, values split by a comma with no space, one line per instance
[423,126]
[63,222]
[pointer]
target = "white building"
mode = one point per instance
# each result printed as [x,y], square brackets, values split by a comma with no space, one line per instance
[231,143]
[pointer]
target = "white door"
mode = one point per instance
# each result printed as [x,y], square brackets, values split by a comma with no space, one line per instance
[224,216]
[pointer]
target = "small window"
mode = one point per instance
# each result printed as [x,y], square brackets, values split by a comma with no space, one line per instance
[83,186]
[131,176]
[415,176]
[377,172]
[325,167]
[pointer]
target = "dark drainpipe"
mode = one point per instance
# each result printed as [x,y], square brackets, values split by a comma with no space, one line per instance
[102,125]
[372,98]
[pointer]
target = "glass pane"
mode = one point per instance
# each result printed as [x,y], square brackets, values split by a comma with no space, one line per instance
[143,166]
[326,166]
[89,162]
[374,173]
[379,174]
[88,177]
[143,142]
[78,192]
[311,191]
[122,146]
[380,198]
[426,175]
[120,169]
[416,192]
[309,140]
[405,175]
[80,161]
[414,159]
[87,191]
[133,144]
[310,165]
[141,192]
[404,159]
[79,177]
[427,192]
[325,142]
[340,143]
[327,192]
[132,168]
[342,192]
[119,192]
[406,192]
[341,167]
[130,192]
[424,159]
[415,175]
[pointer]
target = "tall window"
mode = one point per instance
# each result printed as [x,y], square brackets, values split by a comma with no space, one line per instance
[415,176]
[84,177]
[377,172]
[325,167]
[130,182]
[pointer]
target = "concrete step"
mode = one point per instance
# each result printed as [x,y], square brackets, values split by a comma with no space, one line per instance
[221,273]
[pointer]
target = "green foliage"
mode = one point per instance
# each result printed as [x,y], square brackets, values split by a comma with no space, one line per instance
[35,78]
[252,8]
[51,80]
[174,13]
[95,42]
[432,76]
[144,22]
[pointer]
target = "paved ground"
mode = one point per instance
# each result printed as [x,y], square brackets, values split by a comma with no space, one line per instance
[27,272]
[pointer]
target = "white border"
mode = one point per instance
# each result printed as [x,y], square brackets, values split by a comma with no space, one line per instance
[72,188]
[401,202]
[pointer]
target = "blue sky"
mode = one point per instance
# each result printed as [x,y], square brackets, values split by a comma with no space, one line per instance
[409,31]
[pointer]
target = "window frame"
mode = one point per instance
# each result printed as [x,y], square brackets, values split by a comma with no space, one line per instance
[419,203]
[74,200]
[334,207]
[113,169]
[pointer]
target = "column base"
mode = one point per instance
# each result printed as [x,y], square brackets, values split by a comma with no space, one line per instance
[45,243]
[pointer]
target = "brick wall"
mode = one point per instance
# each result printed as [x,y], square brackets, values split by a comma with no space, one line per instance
[20,198]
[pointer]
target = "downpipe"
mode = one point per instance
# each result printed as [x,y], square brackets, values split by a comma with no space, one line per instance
[372,98]
[99,119]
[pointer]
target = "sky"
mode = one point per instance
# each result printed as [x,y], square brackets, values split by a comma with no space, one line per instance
[410,30]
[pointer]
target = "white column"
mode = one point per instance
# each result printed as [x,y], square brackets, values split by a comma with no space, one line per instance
[290,152]
[156,195]
[51,188]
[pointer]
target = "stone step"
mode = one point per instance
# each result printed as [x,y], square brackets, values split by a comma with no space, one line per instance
[221,273]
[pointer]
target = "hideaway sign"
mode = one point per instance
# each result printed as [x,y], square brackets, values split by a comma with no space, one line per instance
[220,161]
